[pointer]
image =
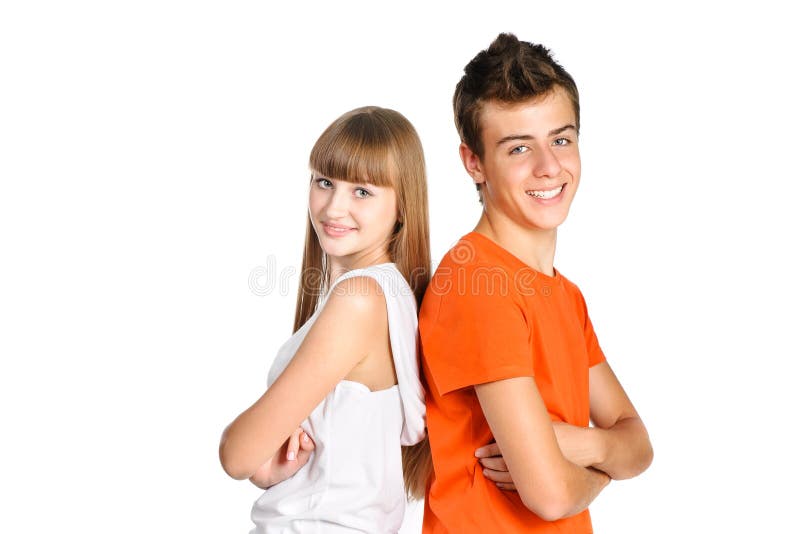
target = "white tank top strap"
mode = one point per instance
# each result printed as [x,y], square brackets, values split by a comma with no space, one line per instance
[401,307]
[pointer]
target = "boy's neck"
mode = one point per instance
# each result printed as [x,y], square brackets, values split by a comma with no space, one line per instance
[535,247]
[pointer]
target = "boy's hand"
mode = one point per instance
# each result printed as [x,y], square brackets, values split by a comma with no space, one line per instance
[576,445]
[494,467]
[293,455]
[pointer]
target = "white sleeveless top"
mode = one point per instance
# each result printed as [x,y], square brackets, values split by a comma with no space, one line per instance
[353,481]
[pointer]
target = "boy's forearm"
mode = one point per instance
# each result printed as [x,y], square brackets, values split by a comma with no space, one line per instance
[622,451]
[625,449]
[572,494]
[594,482]
[580,445]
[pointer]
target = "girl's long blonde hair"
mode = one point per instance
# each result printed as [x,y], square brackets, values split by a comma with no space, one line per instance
[376,146]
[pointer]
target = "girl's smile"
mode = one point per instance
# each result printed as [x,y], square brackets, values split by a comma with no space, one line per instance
[336,230]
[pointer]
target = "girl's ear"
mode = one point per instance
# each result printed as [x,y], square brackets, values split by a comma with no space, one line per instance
[472,163]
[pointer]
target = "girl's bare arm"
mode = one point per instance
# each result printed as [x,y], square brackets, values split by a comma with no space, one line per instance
[342,336]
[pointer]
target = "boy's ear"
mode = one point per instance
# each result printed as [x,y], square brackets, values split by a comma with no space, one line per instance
[472,163]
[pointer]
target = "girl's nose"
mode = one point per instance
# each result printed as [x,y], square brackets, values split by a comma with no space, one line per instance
[338,204]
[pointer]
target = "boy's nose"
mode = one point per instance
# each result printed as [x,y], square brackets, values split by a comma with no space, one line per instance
[547,164]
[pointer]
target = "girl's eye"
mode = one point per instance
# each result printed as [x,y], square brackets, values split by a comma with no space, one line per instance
[324,183]
[362,193]
[519,149]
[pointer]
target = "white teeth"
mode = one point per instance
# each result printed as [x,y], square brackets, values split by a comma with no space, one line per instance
[546,194]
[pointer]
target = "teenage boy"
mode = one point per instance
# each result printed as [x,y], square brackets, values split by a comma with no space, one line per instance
[510,357]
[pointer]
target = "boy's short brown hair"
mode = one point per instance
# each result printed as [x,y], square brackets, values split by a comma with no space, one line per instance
[509,71]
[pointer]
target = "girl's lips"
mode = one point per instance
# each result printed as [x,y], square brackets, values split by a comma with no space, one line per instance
[335,230]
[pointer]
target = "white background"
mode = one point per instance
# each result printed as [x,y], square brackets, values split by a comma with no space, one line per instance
[153,155]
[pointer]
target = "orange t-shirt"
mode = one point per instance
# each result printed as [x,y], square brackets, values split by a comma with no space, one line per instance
[487,316]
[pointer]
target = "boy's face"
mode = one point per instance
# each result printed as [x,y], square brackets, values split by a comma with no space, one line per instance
[531,165]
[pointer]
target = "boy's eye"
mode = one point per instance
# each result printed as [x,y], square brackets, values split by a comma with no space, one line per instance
[519,149]
[561,141]
[324,183]
[362,193]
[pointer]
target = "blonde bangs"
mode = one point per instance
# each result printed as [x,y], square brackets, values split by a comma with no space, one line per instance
[356,148]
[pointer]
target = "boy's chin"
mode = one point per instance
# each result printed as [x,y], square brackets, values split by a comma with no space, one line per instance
[547,224]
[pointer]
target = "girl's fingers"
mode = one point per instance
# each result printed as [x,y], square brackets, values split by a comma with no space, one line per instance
[306,443]
[293,446]
[507,487]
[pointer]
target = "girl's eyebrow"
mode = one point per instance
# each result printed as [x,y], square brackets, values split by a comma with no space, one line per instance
[526,137]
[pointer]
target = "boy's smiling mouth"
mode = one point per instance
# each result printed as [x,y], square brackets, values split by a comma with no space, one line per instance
[545,194]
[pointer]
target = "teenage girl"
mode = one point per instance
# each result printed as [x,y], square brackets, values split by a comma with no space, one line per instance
[344,393]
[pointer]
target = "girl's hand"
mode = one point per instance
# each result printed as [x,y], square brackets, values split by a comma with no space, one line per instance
[494,467]
[293,455]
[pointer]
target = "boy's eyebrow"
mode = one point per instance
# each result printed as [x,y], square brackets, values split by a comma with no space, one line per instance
[526,137]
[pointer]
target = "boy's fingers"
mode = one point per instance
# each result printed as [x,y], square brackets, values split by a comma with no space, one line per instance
[488,450]
[506,487]
[293,446]
[498,476]
[495,462]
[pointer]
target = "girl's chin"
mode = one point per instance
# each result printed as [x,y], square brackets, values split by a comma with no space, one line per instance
[334,252]
[341,253]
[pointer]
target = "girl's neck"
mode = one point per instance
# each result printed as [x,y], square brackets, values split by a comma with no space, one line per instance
[337,266]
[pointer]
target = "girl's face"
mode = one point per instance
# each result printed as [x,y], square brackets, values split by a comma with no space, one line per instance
[353,222]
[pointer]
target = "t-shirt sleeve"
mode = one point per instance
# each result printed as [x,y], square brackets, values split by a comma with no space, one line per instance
[592,345]
[474,336]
